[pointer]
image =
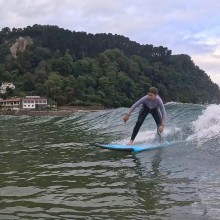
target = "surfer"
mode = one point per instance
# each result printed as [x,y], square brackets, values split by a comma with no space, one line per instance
[151,103]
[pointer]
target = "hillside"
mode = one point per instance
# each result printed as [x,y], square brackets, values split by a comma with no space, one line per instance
[79,69]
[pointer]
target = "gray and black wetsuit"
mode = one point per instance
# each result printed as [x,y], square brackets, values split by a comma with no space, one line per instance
[155,107]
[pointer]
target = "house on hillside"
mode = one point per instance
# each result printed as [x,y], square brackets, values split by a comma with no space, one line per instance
[5,85]
[34,102]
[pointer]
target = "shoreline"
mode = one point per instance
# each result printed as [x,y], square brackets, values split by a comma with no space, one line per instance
[61,111]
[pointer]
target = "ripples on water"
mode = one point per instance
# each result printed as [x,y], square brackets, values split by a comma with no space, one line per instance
[50,168]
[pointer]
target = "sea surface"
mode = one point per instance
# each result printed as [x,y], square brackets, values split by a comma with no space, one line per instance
[50,167]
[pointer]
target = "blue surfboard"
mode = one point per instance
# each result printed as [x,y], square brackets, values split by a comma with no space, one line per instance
[135,147]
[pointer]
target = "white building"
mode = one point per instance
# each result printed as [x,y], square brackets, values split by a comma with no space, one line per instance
[5,85]
[34,102]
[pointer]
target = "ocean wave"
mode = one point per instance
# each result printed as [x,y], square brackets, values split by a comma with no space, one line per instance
[207,126]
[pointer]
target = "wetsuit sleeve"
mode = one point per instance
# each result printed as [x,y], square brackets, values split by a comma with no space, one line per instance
[136,104]
[162,109]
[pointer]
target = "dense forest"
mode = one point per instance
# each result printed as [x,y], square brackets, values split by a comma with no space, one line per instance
[77,68]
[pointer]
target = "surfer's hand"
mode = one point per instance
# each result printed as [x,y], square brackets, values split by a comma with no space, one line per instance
[126,118]
[161,128]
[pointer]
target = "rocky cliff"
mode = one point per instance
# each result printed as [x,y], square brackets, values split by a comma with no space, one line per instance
[20,45]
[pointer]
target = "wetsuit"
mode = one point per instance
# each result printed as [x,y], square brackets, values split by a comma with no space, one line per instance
[155,107]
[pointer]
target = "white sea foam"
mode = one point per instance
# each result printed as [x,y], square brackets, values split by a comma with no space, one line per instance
[180,103]
[207,126]
[150,136]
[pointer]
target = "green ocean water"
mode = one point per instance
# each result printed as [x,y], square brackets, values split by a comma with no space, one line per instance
[50,167]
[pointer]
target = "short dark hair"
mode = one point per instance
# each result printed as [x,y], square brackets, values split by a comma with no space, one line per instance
[153,90]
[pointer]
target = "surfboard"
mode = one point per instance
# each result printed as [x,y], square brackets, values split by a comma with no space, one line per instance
[135,147]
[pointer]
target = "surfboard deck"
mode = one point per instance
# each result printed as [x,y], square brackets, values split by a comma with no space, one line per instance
[134,147]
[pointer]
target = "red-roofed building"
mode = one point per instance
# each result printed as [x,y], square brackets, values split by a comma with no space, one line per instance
[13,103]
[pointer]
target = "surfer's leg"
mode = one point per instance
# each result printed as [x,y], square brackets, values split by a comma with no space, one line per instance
[142,115]
[157,118]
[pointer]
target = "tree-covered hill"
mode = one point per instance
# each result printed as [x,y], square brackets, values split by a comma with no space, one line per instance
[80,68]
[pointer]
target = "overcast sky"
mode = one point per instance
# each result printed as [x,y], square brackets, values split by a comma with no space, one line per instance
[191,26]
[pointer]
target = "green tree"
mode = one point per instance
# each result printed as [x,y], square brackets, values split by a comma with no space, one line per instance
[28,82]
[53,86]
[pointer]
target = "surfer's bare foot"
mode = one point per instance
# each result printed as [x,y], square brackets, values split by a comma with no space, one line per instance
[130,142]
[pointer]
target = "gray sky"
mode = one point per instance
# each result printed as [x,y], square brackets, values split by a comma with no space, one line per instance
[191,27]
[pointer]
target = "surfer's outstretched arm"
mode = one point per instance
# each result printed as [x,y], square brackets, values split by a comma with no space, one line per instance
[133,107]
